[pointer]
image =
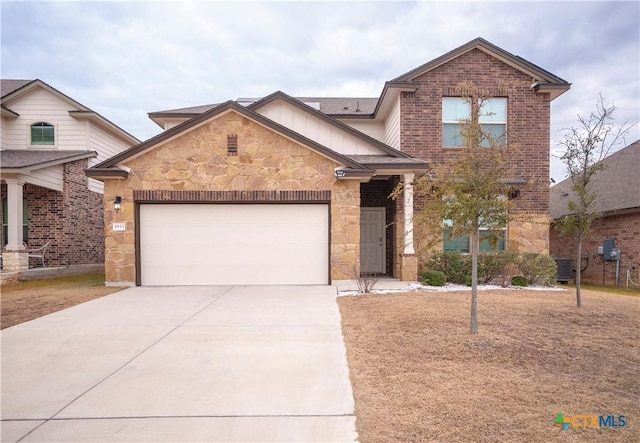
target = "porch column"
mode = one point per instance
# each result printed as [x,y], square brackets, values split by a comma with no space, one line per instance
[408,259]
[14,257]
[408,214]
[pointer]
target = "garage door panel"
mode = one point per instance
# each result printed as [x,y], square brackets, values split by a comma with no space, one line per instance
[234,244]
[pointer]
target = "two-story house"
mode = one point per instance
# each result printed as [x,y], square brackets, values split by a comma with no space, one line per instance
[48,140]
[296,190]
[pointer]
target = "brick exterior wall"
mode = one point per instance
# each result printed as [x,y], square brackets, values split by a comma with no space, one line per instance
[528,123]
[623,229]
[196,165]
[72,219]
[375,194]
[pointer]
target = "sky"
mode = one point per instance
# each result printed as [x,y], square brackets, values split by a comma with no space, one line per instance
[124,59]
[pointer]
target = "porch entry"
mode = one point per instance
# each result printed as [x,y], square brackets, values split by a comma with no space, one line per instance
[372,241]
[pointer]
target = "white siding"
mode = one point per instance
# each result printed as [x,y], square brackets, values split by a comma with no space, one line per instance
[317,130]
[373,129]
[106,145]
[41,105]
[392,126]
[70,134]
[51,177]
[3,131]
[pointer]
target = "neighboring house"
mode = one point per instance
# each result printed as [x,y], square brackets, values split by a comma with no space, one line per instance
[618,201]
[296,190]
[48,140]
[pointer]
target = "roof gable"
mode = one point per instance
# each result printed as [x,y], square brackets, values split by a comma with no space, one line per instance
[13,90]
[229,106]
[543,80]
[489,48]
[279,95]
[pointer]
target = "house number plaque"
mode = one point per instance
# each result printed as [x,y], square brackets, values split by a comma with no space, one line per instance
[119,226]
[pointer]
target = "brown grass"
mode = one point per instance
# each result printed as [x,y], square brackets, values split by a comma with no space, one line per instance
[418,375]
[24,301]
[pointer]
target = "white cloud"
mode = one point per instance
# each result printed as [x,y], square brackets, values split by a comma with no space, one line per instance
[124,59]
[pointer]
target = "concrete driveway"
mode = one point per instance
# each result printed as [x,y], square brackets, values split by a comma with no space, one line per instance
[189,364]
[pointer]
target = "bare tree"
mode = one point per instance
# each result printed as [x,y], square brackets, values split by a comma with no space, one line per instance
[586,145]
[468,192]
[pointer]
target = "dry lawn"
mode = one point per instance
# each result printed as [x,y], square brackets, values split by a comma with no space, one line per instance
[418,375]
[24,301]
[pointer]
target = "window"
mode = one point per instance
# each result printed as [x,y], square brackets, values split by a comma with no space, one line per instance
[42,134]
[492,117]
[454,109]
[5,227]
[462,243]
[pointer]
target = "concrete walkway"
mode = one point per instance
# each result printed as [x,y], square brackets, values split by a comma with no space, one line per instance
[196,364]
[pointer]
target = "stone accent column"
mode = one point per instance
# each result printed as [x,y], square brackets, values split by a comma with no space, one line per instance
[408,260]
[14,257]
[408,267]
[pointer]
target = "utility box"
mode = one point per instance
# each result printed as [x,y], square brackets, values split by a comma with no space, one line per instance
[607,247]
[564,268]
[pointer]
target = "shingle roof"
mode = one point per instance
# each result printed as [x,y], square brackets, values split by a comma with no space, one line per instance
[8,86]
[22,158]
[373,160]
[617,186]
[328,105]
[343,105]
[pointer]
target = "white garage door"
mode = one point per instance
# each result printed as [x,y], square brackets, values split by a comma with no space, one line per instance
[243,244]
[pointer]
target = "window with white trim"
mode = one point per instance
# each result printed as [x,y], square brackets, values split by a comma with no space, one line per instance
[5,224]
[42,133]
[492,116]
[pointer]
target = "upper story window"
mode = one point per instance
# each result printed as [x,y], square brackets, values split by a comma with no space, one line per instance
[42,133]
[492,116]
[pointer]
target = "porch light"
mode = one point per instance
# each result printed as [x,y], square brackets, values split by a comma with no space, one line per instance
[116,203]
[340,173]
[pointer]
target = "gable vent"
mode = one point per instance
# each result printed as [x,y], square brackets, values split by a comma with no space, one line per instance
[232,144]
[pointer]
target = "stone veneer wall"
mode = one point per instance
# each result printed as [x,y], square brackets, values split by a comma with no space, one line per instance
[265,161]
[624,229]
[528,125]
[529,233]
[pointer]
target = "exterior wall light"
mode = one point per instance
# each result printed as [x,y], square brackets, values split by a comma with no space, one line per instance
[117,202]
[340,173]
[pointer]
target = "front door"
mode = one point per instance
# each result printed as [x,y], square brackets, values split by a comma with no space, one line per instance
[372,241]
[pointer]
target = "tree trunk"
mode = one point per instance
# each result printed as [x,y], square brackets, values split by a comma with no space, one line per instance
[475,244]
[578,266]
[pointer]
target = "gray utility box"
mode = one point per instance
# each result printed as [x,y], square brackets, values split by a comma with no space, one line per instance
[607,247]
[564,270]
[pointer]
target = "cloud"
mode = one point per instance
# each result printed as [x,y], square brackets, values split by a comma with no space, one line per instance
[124,59]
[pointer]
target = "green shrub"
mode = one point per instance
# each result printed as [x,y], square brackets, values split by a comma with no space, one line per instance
[434,278]
[539,269]
[455,266]
[494,264]
[519,280]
